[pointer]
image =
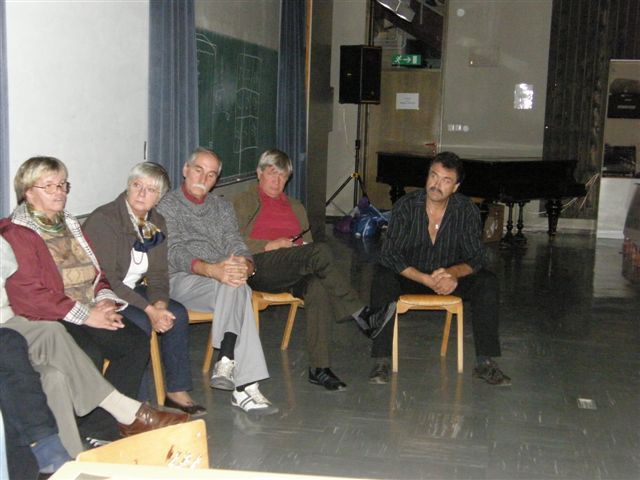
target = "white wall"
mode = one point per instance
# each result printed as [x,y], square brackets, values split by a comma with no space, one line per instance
[349,28]
[491,46]
[78,88]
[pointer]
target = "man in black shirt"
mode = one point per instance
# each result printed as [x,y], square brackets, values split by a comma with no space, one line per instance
[434,246]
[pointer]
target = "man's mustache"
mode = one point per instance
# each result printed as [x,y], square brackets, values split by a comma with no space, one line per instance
[435,189]
[201,186]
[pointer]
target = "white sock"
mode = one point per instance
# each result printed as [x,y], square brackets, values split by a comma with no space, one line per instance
[123,408]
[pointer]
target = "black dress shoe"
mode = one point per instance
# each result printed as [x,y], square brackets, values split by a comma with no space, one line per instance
[194,410]
[380,373]
[491,373]
[326,378]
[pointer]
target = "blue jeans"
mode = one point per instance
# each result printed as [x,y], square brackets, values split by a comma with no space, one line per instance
[174,346]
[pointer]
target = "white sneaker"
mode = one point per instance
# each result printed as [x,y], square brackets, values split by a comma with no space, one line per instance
[252,401]
[223,378]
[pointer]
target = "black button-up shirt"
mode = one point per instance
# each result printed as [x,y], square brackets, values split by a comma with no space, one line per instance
[459,237]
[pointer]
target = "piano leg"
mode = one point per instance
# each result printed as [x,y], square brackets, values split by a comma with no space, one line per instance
[553,213]
[507,240]
[519,238]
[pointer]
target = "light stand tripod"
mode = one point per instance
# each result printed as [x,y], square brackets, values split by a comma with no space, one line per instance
[356,174]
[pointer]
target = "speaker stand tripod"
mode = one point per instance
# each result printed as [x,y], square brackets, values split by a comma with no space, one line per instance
[355,176]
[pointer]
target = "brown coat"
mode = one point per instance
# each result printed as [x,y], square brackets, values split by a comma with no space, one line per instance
[112,234]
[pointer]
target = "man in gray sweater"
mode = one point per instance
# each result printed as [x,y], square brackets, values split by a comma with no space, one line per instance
[208,268]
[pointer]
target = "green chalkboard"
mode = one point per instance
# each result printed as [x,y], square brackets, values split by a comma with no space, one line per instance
[237,87]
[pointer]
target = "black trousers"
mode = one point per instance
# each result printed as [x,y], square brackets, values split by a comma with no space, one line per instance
[480,289]
[128,352]
[27,417]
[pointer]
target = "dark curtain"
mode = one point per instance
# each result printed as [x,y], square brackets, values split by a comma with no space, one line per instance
[291,114]
[173,84]
[4,120]
[585,35]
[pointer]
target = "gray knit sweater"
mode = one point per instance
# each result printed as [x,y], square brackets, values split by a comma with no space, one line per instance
[206,232]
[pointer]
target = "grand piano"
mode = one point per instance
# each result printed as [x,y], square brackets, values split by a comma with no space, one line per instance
[512,181]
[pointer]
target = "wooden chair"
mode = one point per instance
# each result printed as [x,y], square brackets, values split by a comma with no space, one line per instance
[259,301]
[450,303]
[262,300]
[156,367]
[183,445]
[156,360]
[203,317]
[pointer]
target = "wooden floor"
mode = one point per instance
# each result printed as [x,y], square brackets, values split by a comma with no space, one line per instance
[570,337]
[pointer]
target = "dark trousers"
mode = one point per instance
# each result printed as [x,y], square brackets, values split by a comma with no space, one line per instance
[309,271]
[174,346]
[128,352]
[27,417]
[480,289]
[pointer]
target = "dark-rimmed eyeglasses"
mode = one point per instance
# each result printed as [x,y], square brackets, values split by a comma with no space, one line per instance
[52,188]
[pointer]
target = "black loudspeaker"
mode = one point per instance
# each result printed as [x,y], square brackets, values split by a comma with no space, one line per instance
[360,74]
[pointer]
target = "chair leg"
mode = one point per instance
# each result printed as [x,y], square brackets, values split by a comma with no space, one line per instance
[208,355]
[445,334]
[289,326]
[460,339]
[255,304]
[156,366]
[394,350]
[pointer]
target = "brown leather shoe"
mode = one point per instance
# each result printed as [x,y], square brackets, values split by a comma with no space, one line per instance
[148,418]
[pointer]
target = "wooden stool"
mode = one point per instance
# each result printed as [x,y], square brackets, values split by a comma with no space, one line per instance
[450,303]
[262,300]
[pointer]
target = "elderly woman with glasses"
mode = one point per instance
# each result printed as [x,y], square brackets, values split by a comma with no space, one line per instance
[129,237]
[59,277]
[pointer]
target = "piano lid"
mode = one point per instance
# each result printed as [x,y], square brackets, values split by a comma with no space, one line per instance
[506,179]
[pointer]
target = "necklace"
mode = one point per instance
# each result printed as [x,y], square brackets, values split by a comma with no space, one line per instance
[431,213]
[133,256]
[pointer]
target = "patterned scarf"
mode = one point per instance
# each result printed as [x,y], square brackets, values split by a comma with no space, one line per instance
[149,235]
[46,224]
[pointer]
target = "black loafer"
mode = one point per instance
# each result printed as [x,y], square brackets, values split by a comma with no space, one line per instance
[194,410]
[326,378]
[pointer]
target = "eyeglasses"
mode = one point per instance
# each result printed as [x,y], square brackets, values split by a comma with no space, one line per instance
[52,188]
[139,187]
